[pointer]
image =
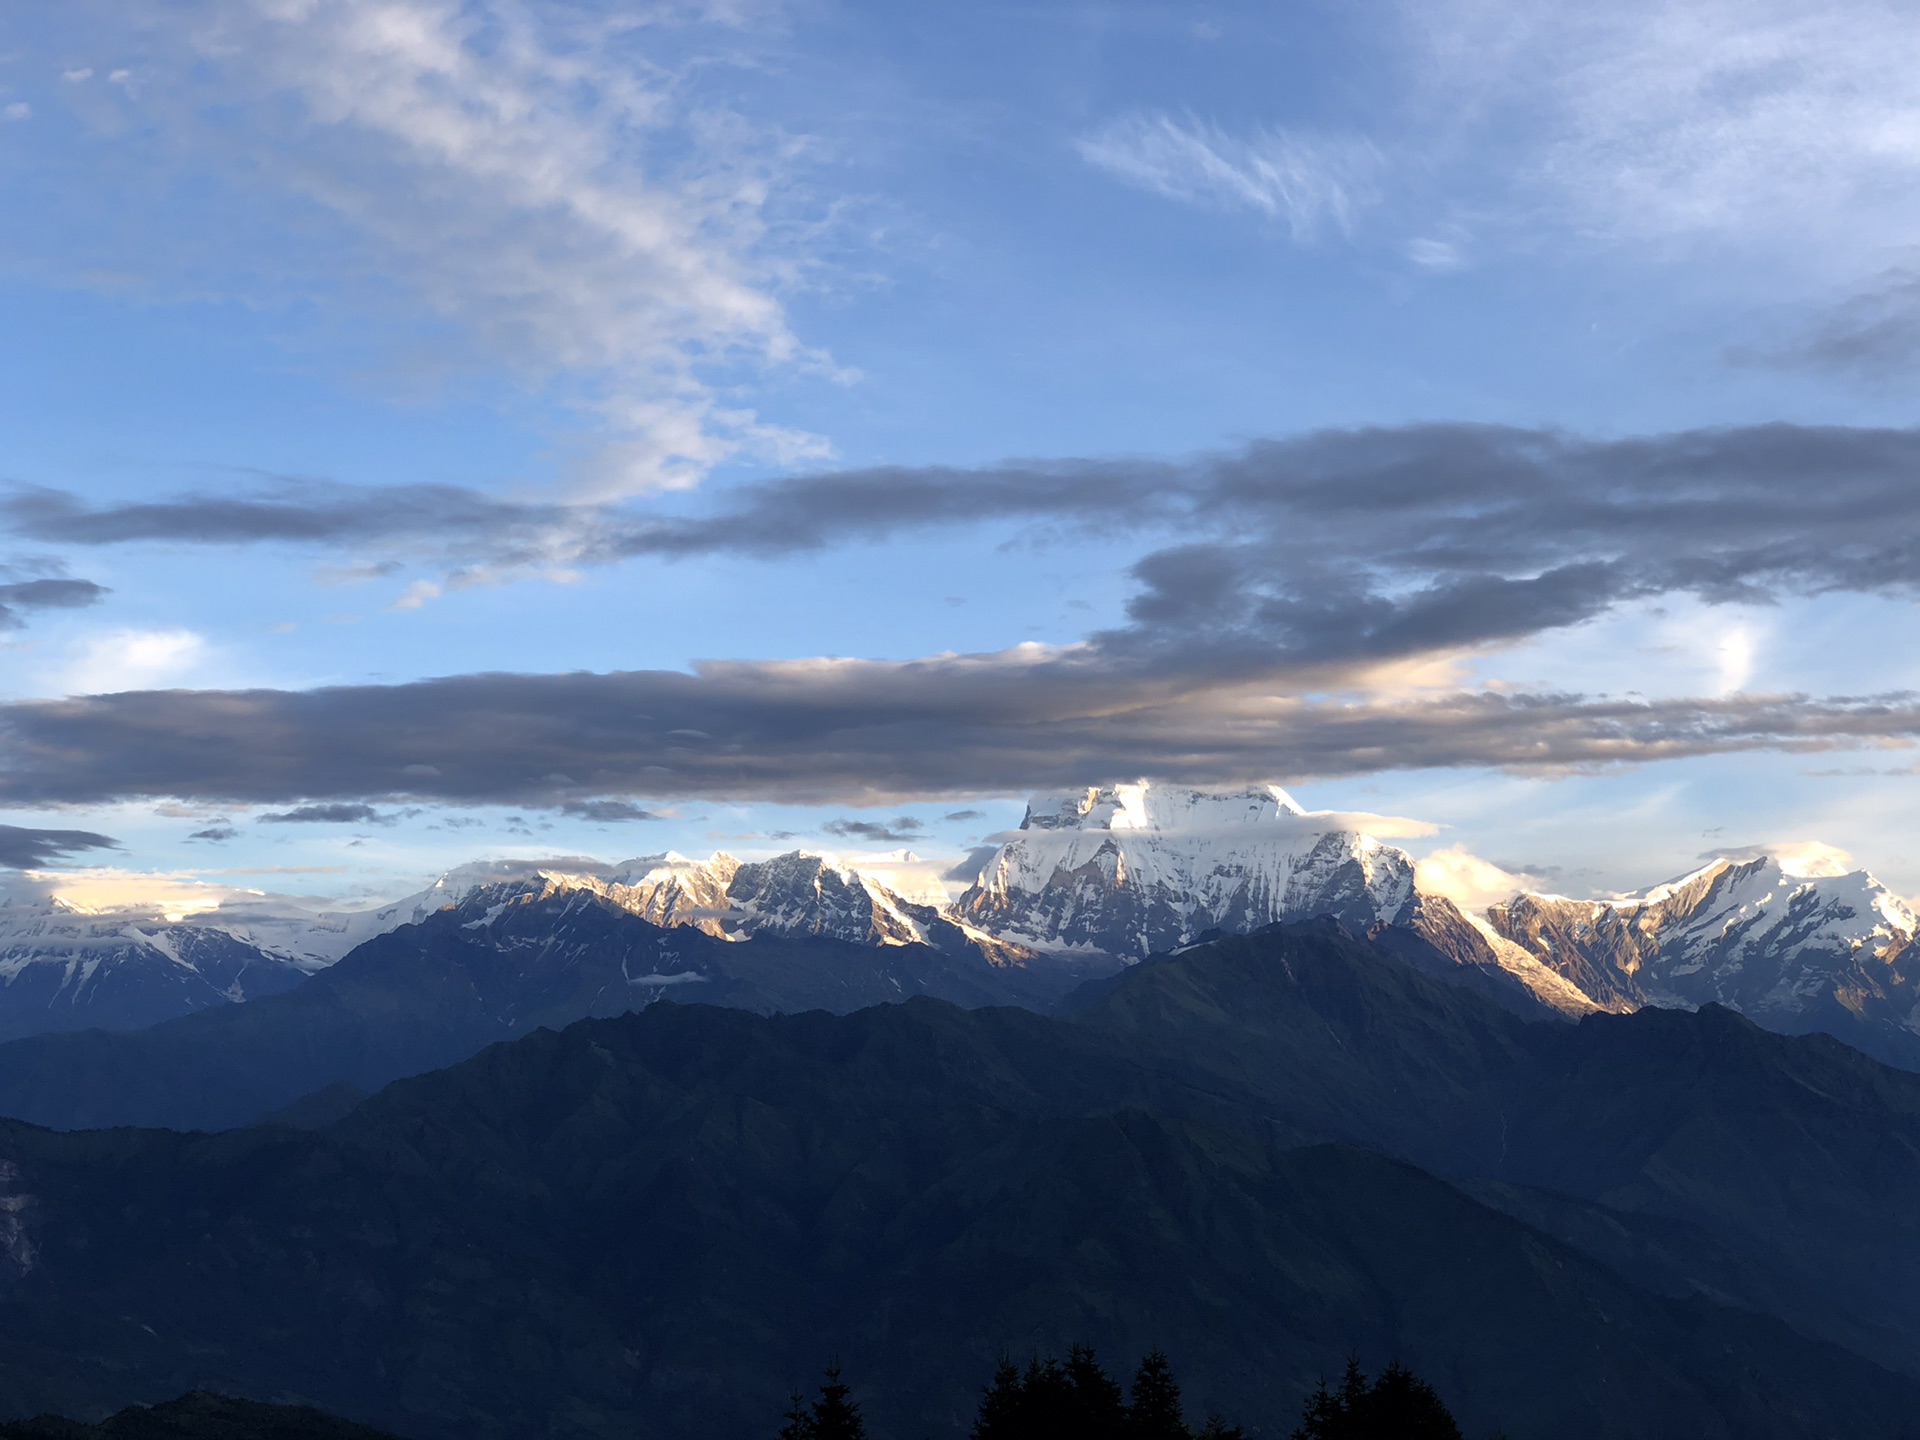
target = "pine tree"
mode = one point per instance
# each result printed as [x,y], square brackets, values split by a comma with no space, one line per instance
[836,1415]
[1046,1402]
[1323,1418]
[1154,1409]
[1354,1388]
[1397,1406]
[1218,1429]
[1099,1408]
[1001,1405]
[799,1424]
[1401,1403]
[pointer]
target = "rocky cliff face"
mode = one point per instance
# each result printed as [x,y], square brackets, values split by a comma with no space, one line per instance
[1793,952]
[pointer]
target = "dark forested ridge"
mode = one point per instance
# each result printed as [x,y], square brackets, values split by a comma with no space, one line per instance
[199,1416]
[1264,1156]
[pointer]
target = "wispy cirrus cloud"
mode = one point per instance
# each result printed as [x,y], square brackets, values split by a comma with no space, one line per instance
[1782,131]
[1310,183]
[1744,123]
[548,181]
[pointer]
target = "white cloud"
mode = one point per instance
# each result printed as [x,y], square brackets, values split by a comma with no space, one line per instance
[76,76]
[1311,182]
[18,110]
[1807,859]
[132,660]
[1380,827]
[417,595]
[549,181]
[1470,882]
[168,895]
[1436,255]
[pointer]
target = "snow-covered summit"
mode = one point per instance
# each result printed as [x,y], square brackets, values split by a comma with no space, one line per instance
[70,967]
[1136,868]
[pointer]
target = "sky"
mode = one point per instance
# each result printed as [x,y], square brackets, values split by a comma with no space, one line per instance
[433,430]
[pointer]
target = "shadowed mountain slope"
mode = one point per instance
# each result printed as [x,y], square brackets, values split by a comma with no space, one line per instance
[1777,1170]
[501,964]
[661,1222]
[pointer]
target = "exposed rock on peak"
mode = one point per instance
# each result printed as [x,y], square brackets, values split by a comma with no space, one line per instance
[1793,952]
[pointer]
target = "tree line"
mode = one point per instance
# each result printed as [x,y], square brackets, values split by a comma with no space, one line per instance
[1077,1399]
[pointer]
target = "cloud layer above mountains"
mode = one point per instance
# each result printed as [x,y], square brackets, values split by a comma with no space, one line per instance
[1287,583]
[1339,548]
[825,731]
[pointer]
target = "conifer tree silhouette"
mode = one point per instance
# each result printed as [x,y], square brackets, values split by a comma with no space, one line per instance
[1154,1409]
[1002,1405]
[1099,1409]
[1397,1406]
[799,1424]
[834,1416]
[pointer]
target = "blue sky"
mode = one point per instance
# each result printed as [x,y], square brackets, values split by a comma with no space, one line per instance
[587,269]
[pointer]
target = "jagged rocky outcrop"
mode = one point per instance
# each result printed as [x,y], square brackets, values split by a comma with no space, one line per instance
[1793,952]
[799,895]
[1459,948]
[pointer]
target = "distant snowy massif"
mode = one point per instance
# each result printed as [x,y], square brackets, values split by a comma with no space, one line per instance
[1094,880]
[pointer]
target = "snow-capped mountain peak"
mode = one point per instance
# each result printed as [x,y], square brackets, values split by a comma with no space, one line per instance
[1136,868]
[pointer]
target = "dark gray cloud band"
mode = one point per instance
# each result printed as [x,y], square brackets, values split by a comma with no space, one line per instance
[1351,545]
[328,814]
[904,829]
[1281,570]
[25,848]
[843,731]
[23,596]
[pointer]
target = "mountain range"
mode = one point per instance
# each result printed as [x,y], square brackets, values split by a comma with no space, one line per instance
[596,1151]
[1093,880]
